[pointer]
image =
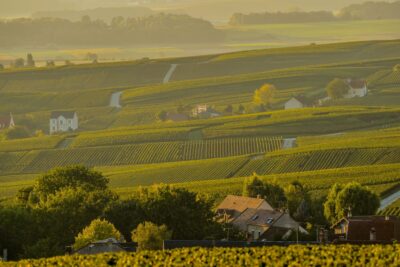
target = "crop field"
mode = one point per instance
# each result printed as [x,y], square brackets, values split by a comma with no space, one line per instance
[296,255]
[35,143]
[146,153]
[125,180]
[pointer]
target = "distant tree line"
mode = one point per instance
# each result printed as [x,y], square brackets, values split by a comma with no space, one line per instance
[281,17]
[160,28]
[365,11]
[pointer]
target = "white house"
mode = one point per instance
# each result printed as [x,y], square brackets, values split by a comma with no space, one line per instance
[357,88]
[63,121]
[199,109]
[297,102]
[7,122]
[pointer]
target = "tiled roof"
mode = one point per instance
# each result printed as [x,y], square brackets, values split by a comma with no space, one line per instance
[356,84]
[65,114]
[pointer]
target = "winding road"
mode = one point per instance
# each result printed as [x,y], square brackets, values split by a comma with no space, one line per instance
[387,201]
[169,74]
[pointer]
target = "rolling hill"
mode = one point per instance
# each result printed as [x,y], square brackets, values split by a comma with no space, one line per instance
[345,140]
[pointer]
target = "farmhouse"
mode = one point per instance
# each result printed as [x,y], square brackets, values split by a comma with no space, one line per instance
[367,228]
[256,218]
[7,122]
[357,88]
[205,112]
[63,121]
[298,102]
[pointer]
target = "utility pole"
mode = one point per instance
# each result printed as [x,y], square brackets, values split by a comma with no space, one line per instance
[5,254]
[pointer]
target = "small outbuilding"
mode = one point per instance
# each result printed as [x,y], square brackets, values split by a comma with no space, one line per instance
[367,228]
[298,102]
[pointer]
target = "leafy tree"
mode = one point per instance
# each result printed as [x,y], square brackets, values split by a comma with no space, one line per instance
[64,214]
[264,95]
[19,63]
[126,215]
[50,63]
[298,201]
[97,230]
[270,191]
[29,61]
[337,88]
[187,214]
[42,248]
[162,115]
[352,198]
[150,236]
[69,177]
[330,203]
[16,230]
[228,109]
[17,132]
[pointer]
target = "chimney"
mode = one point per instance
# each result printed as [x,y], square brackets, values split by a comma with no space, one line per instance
[258,196]
[5,256]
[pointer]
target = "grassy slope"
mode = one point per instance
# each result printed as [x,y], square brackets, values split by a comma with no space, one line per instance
[294,70]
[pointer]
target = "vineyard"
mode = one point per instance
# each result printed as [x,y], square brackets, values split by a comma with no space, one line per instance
[296,255]
[380,178]
[42,160]
[44,142]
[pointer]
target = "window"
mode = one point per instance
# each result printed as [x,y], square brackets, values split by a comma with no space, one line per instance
[255,217]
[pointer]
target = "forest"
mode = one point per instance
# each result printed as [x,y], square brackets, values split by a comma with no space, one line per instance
[364,11]
[161,28]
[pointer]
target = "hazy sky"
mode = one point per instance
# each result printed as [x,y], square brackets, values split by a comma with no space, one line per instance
[11,8]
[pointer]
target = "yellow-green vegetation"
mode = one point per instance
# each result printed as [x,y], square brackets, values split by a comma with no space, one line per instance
[34,143]
[342,255]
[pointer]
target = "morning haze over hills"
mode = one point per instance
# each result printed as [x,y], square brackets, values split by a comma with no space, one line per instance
[199,133]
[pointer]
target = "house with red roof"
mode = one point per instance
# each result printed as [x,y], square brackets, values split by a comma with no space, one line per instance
[256,218]
[367,228]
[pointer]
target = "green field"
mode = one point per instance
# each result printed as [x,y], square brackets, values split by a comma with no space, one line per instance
[335,142]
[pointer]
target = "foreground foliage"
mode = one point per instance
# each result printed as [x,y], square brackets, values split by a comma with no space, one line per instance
[344,255]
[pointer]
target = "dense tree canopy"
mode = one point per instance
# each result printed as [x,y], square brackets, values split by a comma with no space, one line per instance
[264,95]
[351,198]
[337,88]
[160,28]
[298,201]
[150,236]
[69,177]
[270,191]
[97,230]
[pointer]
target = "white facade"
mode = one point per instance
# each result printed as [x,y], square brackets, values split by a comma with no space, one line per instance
[63,123]
[357,88]
[199,109]
[293,103]
[357,92]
